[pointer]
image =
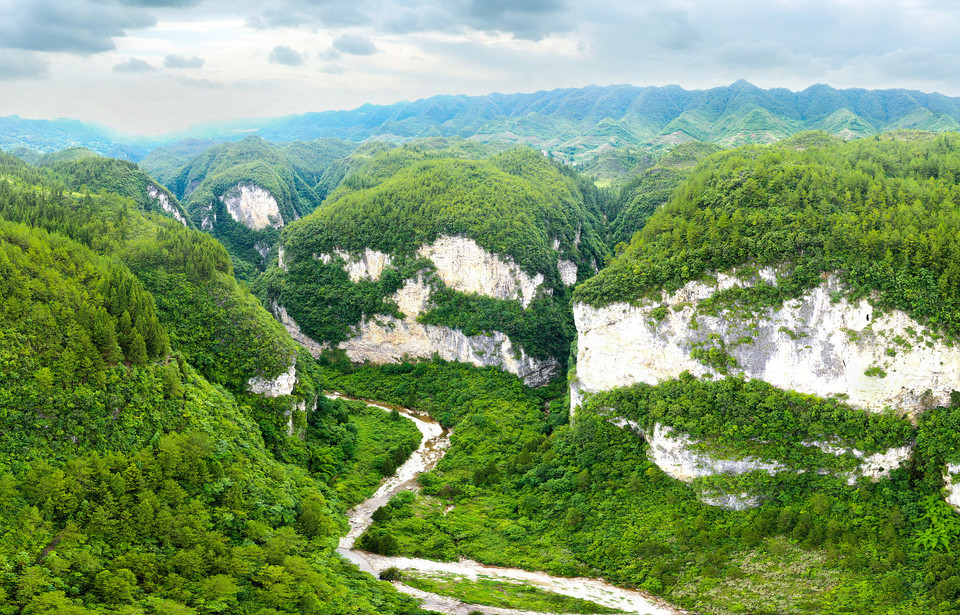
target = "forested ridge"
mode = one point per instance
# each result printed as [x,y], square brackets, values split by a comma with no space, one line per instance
[517,205]
[880,212]
[137,474]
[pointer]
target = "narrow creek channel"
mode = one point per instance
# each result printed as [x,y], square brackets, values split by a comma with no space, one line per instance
[433,446]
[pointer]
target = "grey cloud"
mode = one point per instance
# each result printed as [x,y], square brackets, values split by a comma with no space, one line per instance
[329,54]
[134,65]
[674,30]
[282,54]
[297,13]
[333,69]
[531,19]
[21,65]
[175,61]
[919,64]
[354,44]
[82,26]
[422,18]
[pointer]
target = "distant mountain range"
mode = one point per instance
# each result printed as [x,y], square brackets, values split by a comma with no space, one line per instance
[574,124]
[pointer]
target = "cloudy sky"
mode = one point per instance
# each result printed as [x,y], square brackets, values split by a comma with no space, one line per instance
[154,66]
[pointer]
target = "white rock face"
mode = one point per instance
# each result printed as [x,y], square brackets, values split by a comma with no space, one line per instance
[674,454]
[366,266]
[252,206]
[164,201]
[465,266]
[281,385]
[294,330]
[951,486]
[385,339]
[280,256]
[818,344]
[568,272]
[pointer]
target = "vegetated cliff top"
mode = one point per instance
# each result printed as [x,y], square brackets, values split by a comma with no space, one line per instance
[81,167]
[882,212]
[652,187]
[215,323]
[515,204]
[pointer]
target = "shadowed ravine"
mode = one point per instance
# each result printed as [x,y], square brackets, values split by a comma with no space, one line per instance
[433,446]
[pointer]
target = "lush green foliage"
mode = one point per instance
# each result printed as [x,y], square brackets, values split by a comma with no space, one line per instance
[189,274]
[117,177]
[584,500]
[651,188]
[288,174]
[191,524]
[880,212]
[513,204]
[754,419]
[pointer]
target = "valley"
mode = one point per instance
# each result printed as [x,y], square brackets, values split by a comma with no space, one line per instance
[717,374]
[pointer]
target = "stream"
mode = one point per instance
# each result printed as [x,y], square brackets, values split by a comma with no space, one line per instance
[432,447]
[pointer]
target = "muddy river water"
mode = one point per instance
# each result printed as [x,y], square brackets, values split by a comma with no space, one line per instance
[433,446]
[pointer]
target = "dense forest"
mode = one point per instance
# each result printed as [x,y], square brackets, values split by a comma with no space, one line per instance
[138,473]
[515,205]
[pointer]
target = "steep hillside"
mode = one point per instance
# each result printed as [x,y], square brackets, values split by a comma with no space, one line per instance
[242,193]
[117,177]
[218,326]
[812,266]
[419,253]
[144,458]
[651,188]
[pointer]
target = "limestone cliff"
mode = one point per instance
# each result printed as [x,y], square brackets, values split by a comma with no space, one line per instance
[820,344]
[461,264]
[252,206]
[164,201]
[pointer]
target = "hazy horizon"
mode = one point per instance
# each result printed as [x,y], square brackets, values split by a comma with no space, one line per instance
[152,67]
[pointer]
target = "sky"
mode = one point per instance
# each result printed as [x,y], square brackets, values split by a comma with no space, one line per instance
[149,67]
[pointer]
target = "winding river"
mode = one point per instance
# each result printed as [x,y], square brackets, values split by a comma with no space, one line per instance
[433,446]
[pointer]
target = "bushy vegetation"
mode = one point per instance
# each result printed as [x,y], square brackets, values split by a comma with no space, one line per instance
[215,323]
[133,482]
[651,188]
[880,212]
[120,177]
[513,205]
[528,490]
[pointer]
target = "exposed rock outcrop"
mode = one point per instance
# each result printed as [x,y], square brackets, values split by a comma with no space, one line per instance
[386,339]
[368,265]
[820,343]
[252,206]
[950,481]
[275,387]
[164,201]
[568,272]
[464,266]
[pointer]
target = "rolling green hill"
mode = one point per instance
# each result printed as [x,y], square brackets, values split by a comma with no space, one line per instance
[243,192]
[137,472]
[517,205]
